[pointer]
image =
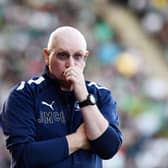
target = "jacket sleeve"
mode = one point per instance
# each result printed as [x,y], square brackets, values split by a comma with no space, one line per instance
[107,145]
[19,126]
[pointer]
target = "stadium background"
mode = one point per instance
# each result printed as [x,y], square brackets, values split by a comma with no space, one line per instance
[128,44]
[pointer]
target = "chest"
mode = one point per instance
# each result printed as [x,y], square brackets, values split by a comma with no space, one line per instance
[56,116]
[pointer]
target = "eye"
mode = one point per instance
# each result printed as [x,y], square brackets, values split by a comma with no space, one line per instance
[62,55]
[78,56]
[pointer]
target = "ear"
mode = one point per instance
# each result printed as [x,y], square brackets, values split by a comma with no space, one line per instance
[86,55]
[46,56]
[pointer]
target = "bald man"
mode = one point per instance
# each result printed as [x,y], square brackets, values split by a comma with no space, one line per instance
[58,119]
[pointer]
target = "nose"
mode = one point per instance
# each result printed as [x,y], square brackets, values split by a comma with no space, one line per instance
[70,62]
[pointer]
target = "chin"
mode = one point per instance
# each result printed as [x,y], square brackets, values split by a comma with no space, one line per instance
[67,86]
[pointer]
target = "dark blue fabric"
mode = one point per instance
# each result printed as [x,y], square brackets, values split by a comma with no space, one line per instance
[37,116]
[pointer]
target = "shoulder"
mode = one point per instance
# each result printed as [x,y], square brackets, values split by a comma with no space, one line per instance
[29,86]
[24,93]
[102,93]
[31,83]
[96,87]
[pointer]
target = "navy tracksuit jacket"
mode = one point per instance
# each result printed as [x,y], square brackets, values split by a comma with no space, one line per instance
[37,116]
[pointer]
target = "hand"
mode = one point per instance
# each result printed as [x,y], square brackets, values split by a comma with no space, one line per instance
[81,135]
[78,140]
[75,76]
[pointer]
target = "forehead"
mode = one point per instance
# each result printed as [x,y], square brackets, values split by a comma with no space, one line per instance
[69,40]
[69,44]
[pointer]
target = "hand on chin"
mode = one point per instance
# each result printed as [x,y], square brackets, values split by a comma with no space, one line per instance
[66,85]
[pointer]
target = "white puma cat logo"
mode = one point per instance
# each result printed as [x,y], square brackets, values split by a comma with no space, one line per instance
[49,105]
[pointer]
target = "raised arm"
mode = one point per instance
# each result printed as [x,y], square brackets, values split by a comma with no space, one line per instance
[101,123]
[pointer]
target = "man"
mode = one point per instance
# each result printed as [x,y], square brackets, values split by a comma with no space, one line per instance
[59,120]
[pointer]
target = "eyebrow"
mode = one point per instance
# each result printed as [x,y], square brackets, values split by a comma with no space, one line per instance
[64,50]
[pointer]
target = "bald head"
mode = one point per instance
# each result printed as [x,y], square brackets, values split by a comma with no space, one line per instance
[67,51]
[67,34]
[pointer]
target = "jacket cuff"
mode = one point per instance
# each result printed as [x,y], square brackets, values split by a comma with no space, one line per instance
[107,145]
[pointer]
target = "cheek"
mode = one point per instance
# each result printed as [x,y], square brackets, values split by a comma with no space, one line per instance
[82,66]
[56,68]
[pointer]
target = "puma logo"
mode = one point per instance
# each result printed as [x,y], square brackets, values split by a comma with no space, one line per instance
[49,105]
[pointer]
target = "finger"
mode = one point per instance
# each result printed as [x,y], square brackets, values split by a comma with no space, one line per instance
[72,69]
[68,71]
[71,74]
[70,78]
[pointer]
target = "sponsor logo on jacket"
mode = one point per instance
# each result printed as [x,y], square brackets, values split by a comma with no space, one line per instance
[51,117]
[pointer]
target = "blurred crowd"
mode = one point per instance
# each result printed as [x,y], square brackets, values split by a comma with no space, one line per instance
[142,96]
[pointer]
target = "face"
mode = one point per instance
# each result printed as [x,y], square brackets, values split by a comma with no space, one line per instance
[65,53]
